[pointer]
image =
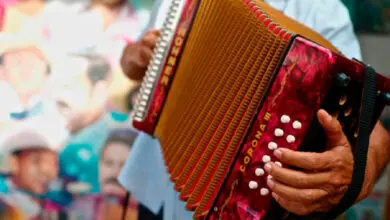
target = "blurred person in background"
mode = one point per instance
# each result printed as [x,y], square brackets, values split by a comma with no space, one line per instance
[24,76]
[105,27]
[79,89]
[108,204]
[28,89]
[32,148]
[329,18]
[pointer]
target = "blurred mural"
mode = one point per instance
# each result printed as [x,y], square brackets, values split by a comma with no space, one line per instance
[65,121]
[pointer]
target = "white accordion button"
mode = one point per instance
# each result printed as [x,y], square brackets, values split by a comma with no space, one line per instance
[297,125]
[253,185]
[285,119]
[290,139]
[279,132]
[272,146]
[266,159]
[278,163]
[259,172]
[264,191]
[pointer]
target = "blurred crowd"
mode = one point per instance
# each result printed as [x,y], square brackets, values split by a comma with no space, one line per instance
[65,106]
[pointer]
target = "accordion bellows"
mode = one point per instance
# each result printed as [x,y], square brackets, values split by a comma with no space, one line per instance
[209,92]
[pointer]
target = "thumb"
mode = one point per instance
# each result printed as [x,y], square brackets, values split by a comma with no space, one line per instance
[333,130]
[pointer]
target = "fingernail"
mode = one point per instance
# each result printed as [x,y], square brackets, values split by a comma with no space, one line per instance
[278,154]
[268,167]
[276,197]
[270,182]
[328,116]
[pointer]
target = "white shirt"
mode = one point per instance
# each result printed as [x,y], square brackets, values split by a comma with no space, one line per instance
[145,175]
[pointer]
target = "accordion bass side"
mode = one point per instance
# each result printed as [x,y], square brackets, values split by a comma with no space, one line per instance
[230,82]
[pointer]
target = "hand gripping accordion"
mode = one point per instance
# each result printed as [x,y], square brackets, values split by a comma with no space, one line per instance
[231,81]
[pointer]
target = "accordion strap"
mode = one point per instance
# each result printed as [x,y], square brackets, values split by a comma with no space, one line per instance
[361,151]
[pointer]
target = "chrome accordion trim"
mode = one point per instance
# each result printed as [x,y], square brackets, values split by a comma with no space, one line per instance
[156,65]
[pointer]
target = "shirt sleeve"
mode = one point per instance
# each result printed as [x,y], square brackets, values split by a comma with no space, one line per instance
[158,15]
[331,19]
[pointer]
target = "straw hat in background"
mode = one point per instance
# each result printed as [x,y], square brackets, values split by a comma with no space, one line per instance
[39,132]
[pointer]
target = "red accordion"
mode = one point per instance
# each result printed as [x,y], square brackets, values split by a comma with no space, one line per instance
[230,82]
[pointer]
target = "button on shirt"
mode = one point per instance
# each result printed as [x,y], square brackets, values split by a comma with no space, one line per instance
[145,174]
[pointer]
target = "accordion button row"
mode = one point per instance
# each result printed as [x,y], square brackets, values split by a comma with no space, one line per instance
[255,185]
[259,172]
[264,191]
[297,125]
[290,139]
[279,132]
[266,159]
[272,146]
[285,119]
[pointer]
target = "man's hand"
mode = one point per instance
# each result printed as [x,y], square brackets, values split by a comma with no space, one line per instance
[322,179]
[136,57]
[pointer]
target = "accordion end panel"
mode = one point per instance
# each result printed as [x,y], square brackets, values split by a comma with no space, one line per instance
[284,118]
[303,85]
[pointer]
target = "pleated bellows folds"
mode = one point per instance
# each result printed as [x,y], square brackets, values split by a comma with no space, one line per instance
[226,67]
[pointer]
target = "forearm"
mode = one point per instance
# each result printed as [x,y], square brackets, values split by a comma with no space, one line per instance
[377,158]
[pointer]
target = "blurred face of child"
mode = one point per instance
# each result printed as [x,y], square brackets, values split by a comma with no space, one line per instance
[112,160]
[71,87]
[33,170]
[25,70]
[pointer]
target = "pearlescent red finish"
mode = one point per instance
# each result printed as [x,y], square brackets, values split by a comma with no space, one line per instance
[298,91]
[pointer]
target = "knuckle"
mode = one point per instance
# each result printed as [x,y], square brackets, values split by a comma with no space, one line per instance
[338,162]
[336,181]
[308,196]
[303,181]
[313,161]
[303,210]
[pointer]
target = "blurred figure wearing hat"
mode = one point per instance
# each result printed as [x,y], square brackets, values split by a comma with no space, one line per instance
[108,204]
[31,147]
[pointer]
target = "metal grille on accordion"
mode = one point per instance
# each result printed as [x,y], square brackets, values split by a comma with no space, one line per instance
[230,82]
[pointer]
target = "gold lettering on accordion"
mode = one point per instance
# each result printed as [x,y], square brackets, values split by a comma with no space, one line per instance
[172,59]
[165,80]
[175,51]
[182,32]
[250,152]
[258,134]
[168,70]
[267,116]
[255,142]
